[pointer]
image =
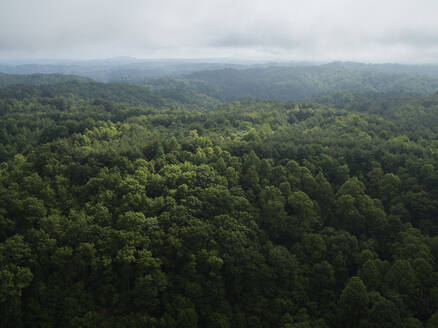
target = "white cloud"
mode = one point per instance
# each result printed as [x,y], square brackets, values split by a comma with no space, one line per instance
[372,30]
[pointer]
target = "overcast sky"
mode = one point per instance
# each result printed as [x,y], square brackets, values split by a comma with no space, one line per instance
[370,31]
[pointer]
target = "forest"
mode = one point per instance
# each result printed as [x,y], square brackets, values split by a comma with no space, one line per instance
[294,197]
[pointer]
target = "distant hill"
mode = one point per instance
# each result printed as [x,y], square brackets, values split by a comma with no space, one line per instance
[425,69]
[119,69]
[211,82]
[301,82]
[38,79]
[58,85]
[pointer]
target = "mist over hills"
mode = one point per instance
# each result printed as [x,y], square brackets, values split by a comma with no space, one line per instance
[232,80]
[298,83]
[112,69]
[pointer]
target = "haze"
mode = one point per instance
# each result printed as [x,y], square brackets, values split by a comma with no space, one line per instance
[313,30]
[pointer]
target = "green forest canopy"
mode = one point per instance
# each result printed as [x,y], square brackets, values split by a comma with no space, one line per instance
[126,206]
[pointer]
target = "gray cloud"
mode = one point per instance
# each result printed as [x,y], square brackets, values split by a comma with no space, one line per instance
[390,30]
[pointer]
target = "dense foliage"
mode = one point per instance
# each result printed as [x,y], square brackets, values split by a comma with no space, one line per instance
[254,214]
[37,79]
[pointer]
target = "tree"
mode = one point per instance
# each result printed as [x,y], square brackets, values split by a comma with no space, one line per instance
[384,314]
[353,303]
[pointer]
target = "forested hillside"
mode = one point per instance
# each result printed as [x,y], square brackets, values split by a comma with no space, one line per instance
[20,87]
[121,210]
[38,79]
[304,82]
[299,82]
[234,80]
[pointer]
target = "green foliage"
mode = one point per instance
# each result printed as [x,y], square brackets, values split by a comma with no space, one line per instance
[255,214]
[353,303]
